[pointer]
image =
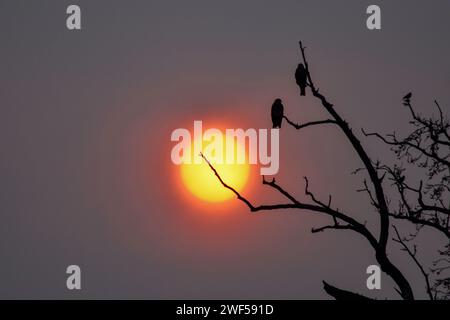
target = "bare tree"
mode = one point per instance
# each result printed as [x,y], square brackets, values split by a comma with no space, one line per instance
[427,205]
[374,186]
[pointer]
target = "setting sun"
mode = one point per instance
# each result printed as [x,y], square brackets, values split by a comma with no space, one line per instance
[199,179]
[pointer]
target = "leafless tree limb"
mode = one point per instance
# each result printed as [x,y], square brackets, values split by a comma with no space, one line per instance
[340,294]
[383,210]
[295,204]
[309,124]
[413,255]
[432,156]
[427,147]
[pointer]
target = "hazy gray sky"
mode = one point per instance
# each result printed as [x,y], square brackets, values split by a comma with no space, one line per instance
[85,122]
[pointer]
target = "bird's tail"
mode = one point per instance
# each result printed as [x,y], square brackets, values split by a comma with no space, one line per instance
[302,91]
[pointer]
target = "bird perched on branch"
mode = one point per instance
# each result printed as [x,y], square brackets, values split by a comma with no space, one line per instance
[277,113]
[407,98]
[300,78]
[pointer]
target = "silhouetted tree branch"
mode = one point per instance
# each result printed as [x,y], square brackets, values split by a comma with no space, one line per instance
[412,253]
[308,124]
[382,207]
[340,294]
[441,287]
[436,132]
[295,204]
[428,147]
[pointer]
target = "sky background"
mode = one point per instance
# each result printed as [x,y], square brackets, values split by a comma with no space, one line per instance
[85,124]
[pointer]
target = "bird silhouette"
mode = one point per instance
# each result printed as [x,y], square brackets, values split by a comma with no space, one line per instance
[277,113]
[300,78]
[406,99]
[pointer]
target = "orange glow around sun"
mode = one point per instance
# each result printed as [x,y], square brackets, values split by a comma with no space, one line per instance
[201,182]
